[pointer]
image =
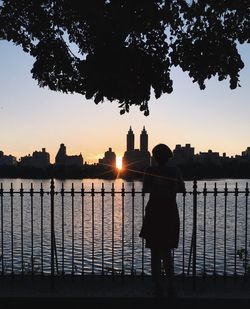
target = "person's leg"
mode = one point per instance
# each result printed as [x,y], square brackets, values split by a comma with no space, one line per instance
[156,269]
[169,268]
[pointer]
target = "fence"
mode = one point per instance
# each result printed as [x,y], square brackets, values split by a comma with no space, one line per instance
[77,231]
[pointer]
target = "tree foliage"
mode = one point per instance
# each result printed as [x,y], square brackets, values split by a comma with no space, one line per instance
[125,49]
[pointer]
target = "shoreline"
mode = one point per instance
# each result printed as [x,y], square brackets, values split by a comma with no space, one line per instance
[128,179]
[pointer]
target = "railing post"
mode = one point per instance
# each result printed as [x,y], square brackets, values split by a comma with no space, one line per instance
[52,195]
[103,195]
[123,231]
[246,229]
[194,230]
[133,229]
[93,227]
[2,229]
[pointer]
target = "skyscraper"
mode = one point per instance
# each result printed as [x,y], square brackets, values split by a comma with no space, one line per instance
[144,140]
[135,160]
[130,140]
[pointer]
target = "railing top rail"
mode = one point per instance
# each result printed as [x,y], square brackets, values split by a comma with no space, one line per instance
[113,191]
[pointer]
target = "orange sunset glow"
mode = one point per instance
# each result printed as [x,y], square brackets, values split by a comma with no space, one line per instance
[119,162]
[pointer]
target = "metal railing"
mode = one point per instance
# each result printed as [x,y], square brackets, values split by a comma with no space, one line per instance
[82,231]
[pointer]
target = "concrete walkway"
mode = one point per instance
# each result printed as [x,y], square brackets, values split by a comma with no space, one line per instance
[121,291]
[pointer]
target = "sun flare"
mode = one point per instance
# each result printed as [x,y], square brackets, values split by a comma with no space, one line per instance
[119,162]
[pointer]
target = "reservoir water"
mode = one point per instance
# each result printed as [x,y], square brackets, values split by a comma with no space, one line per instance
[97,232]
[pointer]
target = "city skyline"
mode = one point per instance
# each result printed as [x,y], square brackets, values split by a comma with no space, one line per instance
[33,117]
[137,144]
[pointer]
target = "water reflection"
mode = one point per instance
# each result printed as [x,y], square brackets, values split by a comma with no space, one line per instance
[98,233]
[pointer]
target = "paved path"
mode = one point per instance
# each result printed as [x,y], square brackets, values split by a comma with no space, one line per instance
[122,291]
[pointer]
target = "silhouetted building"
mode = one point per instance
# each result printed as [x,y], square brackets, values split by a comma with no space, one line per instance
[109,159]
[61,155]
[246,153]
[183,154]
[136,159]
[74,160]
[130,140]
[144,140]
[209,157]
[7,160]
[63,159]
[39,159]
[26,160]
[225,158]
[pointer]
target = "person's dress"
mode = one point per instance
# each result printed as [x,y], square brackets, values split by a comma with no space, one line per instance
[161,224]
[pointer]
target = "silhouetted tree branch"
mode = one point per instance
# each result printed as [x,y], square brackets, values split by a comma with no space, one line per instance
[126,48]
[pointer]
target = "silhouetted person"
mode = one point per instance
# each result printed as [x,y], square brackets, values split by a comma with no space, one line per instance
[161,222]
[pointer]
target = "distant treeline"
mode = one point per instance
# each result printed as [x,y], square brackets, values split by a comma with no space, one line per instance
[208,170]
[205,170]
[59,172]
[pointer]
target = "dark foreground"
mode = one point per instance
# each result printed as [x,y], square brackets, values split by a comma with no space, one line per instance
[117,292]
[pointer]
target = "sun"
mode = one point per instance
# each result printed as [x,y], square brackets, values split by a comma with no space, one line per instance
[119,162]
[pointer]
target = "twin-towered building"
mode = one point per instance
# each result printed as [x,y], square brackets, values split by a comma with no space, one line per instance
[136,158]
[143,140]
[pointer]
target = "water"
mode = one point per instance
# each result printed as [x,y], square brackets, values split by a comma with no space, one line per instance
[111,227]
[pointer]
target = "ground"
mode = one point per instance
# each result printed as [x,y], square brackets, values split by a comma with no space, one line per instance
[120,291]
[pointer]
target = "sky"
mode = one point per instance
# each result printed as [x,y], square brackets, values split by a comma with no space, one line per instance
[32,118]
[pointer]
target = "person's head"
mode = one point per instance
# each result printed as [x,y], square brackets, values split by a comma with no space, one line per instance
[162,153]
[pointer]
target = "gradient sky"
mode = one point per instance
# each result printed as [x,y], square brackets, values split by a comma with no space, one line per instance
[31,118]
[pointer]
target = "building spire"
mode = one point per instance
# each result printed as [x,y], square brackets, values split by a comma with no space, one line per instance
[130,140]
[144,140]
